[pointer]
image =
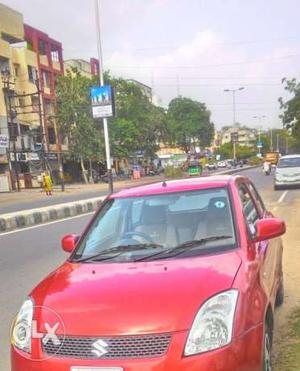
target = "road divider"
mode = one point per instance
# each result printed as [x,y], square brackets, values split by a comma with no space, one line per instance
[28,218]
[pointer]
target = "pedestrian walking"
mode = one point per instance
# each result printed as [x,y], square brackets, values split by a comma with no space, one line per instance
[47,183]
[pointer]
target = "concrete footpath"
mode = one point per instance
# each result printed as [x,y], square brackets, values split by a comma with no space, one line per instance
[30,217]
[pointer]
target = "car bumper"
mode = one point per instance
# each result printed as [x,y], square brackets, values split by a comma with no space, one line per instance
[243,354]
[287,182]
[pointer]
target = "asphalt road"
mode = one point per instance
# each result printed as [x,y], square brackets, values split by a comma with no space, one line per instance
[26,256]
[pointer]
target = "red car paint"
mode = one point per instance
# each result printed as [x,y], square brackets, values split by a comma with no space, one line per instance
[164,296]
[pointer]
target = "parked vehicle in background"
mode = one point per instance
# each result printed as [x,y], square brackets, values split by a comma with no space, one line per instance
[222,164]
[272,157]
[287,172]
[211,166]
[179,276]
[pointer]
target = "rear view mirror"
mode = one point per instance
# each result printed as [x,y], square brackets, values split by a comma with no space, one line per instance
[68,243]
[269,228]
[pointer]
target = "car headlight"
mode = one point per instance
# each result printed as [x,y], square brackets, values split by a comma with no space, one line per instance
[212,327]
[22,327]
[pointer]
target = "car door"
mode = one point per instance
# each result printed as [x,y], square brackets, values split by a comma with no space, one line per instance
[265,253]
[273,263]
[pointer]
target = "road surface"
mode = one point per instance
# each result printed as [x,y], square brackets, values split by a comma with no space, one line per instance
[26,256]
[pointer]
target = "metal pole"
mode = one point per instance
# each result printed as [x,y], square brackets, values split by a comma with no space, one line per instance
[234,107]
[277,139]
[271,144]
[42,129]
[11,123]
[101,81]
[287,146]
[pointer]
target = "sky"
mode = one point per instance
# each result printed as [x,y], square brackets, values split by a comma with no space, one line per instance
[193,48]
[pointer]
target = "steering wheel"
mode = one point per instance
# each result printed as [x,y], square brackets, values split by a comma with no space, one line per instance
[140,234]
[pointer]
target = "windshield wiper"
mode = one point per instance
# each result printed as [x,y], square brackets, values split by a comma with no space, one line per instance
[183,247]
[120,249]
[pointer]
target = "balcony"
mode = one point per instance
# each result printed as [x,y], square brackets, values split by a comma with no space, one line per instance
[44,60]
[4,49]
[56,65]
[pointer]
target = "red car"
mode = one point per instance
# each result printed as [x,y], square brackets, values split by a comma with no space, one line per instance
[179,275]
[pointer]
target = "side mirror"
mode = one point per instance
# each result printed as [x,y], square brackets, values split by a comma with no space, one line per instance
[68,243]
[269,228]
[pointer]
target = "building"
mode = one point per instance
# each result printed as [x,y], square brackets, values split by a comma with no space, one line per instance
[147,90]
[244,136]
[17,66]
[87,69]
[49,66]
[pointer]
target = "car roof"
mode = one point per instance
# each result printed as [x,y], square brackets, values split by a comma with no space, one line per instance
[181,185]
[290,156]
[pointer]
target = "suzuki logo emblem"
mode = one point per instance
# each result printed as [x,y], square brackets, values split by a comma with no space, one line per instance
[100,348]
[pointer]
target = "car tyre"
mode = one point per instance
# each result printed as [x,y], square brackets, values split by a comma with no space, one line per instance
[280,294]
[267,366]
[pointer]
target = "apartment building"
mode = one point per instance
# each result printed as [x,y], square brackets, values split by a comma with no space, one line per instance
[49,66]
[86,68]
[244,136]
[18,67]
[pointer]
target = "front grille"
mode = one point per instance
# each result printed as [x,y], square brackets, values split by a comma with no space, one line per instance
[123,347]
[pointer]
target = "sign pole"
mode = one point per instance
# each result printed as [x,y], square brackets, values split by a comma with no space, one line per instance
[101,81]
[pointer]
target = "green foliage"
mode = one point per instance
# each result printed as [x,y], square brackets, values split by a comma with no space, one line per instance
[74,116]
[291,110]
[254,160]
[242,152]
[173,172]
[189,123]
[139,125]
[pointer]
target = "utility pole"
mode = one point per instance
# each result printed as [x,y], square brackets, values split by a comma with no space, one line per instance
[101,82]
[259,118]
[233,91]
[42,129]
[277,142]
[287,145]
[12,132]
[271,142]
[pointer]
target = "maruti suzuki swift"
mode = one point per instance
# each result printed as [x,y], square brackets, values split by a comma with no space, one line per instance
[178,275]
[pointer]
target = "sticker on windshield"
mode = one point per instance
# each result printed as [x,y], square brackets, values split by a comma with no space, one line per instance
[219,204]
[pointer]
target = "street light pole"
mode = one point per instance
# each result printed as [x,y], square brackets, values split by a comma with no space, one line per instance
[233,91]
[101,82]
[259,118]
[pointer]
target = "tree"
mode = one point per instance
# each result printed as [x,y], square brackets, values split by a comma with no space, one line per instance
[138,125]
[189,123]
[242,152]
[74,117]
[291,110]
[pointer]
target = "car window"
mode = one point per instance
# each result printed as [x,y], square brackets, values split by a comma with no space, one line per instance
[289,162]
[257,198]
[249,209]
[165,220]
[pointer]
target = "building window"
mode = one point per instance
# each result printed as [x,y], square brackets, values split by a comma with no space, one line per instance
[35,104]
[24,129]
[32,75]
[22,102]
[16,69]
[46,79]
[54,55]
[51,136]
[4,65]
[42,47]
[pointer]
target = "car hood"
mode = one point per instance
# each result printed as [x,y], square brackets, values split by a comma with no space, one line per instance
[288,171]
[132,298]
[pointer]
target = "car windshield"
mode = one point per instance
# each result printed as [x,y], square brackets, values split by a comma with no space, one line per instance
[289,162]
[130,229]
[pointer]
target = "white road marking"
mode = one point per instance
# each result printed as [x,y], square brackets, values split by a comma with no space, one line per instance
[281,198]
[45,224]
